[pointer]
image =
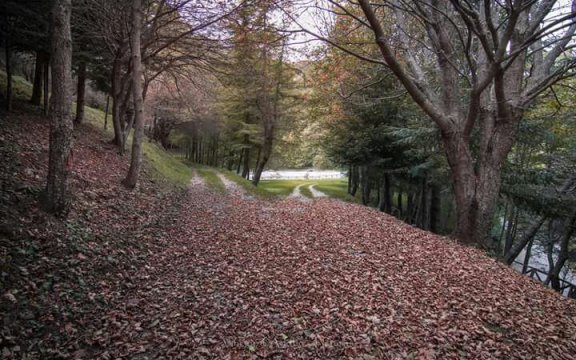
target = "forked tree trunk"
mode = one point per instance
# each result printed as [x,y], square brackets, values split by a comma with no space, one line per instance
[136,158]
[477,183]
[56,197]
[80,93]
[36,98]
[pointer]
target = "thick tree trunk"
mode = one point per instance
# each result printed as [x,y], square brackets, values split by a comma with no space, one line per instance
[477,183]
[136,159]
[36,98]
[80,93]
[56,197]
[8,105]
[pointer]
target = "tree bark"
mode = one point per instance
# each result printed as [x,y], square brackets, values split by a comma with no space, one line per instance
[80,93]
[399,203]
[355,177]
[36,98]
[106,112]
[246,165]
[554,275]
[8,52]
[46,85]
[385,203]
[56,197]
[136,158]
[365,184]
[435,208]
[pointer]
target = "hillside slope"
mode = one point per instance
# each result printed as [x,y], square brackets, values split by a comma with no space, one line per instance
[170,272]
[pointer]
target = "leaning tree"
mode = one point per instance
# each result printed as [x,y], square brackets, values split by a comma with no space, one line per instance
[473,67]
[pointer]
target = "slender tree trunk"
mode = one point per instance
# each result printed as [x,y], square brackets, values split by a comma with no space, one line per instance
[385,196]
[410,208]
[36,98]
[80,93]
[554,275]
[399,203]
[46,85]
[136,159]
[56,197]
[355,180]
[349,179]
[116,95]
[365,184]
[527,256]
[238,168]
[435,208]
[106,112]
[8,49]
[528,236]
[246,165]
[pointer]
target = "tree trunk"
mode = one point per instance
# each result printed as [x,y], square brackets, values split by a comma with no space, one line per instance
[80,93]
[56,197]
[477,184]
[136,159]
[116,95]
[399,203]
[7,45]
[46,84]
[246,165]
[238,168]
[36,98]
[435,208]
[527,256]
[106,112]
[355,177]
[385,196]
[365,184]
[528,236]
[554,275]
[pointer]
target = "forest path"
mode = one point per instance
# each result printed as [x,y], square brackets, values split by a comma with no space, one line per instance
[317,193]
[289,279]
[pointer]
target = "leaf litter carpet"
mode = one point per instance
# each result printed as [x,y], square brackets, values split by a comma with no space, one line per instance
[246,279]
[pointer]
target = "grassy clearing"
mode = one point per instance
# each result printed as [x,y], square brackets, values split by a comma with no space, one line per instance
[247,185]
[21,89]
[335,188]
[211,179]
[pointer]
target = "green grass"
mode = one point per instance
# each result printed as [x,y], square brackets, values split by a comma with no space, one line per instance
[335,188]
[211,178]
[21,89]
[256,191]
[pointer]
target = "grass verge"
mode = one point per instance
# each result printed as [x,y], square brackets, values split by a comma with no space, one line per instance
[211,179]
